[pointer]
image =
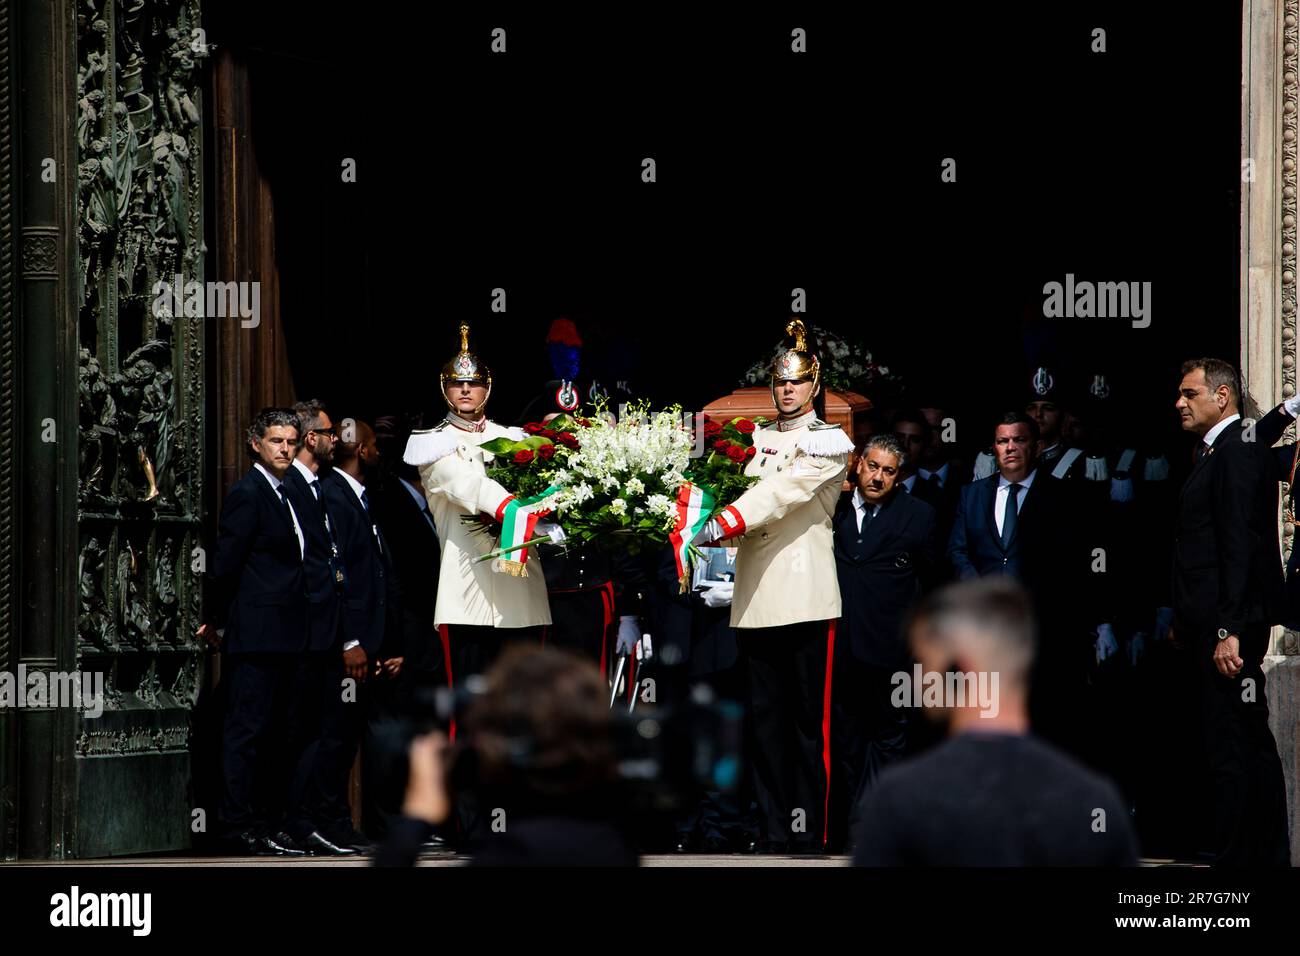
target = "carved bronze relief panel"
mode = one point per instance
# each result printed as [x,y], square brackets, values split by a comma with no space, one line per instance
[140,453]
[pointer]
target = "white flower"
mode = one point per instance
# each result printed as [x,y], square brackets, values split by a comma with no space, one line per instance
[883,370]
[661,505]
[618,506]
[635,486]
[583,492]
[609,482]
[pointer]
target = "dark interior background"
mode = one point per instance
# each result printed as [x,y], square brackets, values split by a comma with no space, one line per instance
[820,171]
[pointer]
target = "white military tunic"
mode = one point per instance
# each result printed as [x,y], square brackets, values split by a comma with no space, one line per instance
[455,482]
[785,566]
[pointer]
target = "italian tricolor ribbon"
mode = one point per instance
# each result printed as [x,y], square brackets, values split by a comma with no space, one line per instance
[694,506]
[519,517]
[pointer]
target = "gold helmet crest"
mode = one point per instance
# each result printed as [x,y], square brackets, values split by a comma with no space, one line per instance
[465,366]
[796,361]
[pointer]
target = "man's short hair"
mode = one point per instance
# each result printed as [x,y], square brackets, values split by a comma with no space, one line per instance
[990,619]
[345,451]
[887,443]
[267,419]
[310,414]
[1018,418]
[1217,374]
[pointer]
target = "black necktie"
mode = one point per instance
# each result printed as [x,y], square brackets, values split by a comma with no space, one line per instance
[284,500]
[868,512]
[1010,512]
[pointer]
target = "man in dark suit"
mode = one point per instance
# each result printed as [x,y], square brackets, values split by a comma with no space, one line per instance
[886,549]
[256,613]
[402,513]
[992,794]
[1020,523]
[1228,591]
[325,576]
[369,656]
[914,436]
[939,475]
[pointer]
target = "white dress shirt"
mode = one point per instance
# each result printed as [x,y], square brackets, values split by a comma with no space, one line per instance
[1217,430]
[313,482]
[357,487]
[1004,489]
[275,486]
[312,479]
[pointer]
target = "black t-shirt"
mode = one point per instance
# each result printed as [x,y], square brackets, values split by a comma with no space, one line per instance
[994,799]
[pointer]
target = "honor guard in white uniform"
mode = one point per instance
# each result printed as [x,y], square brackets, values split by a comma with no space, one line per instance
[478,607]
[787,597]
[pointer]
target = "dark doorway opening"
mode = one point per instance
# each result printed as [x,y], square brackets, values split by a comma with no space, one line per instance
[522,172]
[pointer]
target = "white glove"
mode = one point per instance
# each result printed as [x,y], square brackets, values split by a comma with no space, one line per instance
[718,593]
[629,632]
[1106,644]
[644,649]
[1137,646]
[1164,620]
[552,530]
[1292,406]
[1121,490]
[710,532]
[985,465]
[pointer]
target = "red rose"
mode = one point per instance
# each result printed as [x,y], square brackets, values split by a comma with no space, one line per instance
[533,428]
[736,453]
[749,452]
[547,452]
[523,456]
[721,445]
[744,426]
[711,429]
[567,439]
[547,433]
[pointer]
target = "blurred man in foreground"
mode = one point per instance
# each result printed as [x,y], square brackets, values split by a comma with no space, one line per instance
[992,794]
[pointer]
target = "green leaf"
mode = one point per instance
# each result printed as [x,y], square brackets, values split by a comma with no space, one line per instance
[500,446]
